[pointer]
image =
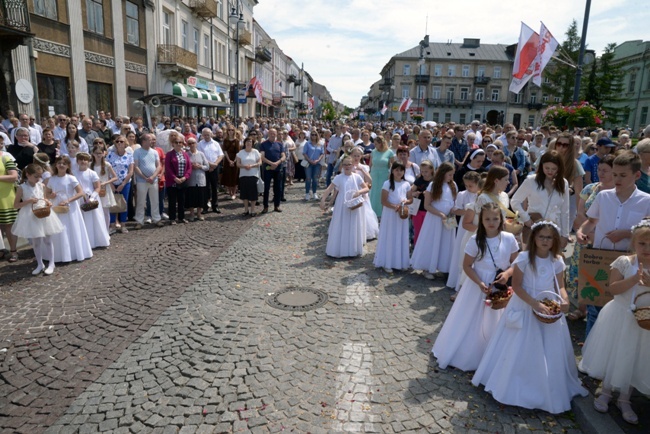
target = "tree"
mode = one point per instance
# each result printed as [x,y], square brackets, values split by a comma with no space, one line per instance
[610,85]
[328,111]
[561,77]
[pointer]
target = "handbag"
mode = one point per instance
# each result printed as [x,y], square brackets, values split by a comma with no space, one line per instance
[294,156]
[120,204]
[260,186]
[304,163]
[414,207]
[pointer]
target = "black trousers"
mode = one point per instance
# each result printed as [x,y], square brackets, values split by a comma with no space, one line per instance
[272,175]
[212,184]
[176,202]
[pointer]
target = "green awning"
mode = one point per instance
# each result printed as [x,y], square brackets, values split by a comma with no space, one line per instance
[187,91]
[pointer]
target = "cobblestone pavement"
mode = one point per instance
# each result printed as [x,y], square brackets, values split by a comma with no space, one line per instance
[210,356]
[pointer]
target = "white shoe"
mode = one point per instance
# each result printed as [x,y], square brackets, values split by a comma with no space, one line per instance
[50,269]
[316,196]
[147,221]
[428,275]
[388,270]
[164,216]
[307,196]
[38,270]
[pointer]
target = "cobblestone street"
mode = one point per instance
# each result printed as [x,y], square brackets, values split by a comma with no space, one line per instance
[168,331]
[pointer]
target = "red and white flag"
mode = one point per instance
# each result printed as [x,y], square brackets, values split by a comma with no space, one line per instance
[406,103]
[522,70]
[256,86]
[383,109]
[310,103]
[545,50]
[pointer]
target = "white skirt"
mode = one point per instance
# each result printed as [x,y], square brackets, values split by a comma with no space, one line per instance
[435,242]
[393,241]
[457,256]
[27,225]
[347,231]
[96,227]
[72,244]
[372,224]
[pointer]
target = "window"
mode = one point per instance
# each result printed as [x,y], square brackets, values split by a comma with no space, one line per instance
[47,9]
[481,71]
[531,120]
[434,117]
[437,70]
[407,70]
[480,94]
[196,41]
[517,98]
[556,99]
[497,72]
[462,118]
[533,98]
[465,71]
[405,92]
[447,117]
[450,95]
[95,16]
[435,92]
[132,25]
[167,28]
[422,69]
[421,91]
[53,91]
[100,97]
[451,70]
[464,93]
[644,116]
[545,98]
[220,9]
[206,50]
[495,95]
[546,80]
[184,30]
[632,84]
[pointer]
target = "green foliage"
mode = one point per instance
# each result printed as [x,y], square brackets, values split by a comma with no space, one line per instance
[328,111]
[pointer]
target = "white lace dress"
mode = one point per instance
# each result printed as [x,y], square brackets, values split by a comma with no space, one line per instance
[27,225]
[347,231]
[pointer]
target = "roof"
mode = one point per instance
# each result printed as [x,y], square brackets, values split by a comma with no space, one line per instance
[459,51]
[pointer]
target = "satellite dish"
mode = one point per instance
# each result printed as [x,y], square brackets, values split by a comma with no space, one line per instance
[155,101]
[137,104]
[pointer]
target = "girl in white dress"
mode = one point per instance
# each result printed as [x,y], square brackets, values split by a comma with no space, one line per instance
[72,244]
[94,220]
[617,350]
[393,241]
[464,201]
[30,193]
[470,323]
[436,239]
[41,159]
[107,177]
[493,189]
[347,231]
[529,363]
[372,224]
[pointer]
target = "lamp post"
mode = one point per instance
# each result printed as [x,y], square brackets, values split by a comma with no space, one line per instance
[238,18]
[581,54]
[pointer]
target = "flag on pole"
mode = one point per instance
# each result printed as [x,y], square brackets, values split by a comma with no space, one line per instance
[383,109]
[545,49]
[310,103]
[406,103]
[522,70]
[256,86]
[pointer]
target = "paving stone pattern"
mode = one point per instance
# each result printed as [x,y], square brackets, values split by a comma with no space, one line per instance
[221,360]
[59,333]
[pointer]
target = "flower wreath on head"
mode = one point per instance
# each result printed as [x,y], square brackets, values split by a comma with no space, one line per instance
[644,223]
[550,223]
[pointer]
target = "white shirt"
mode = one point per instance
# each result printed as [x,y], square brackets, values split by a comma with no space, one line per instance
[613,215]
[333,146]
[553,206]
[212,150]
[417,156]
[59,133]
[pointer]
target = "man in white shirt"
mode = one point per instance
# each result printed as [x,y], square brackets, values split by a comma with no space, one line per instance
[34,135]
[147,168]
[213,152]
[33,124]
[474,128]
[60,129]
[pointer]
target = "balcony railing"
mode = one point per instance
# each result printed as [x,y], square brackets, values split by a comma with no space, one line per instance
[291,78]
[174,55]
[263,54]
[245,37]
[481,79]
[421,78]
[449,102]
[204,8]
[14,15]
[535,106]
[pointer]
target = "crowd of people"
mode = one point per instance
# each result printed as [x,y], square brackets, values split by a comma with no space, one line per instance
[485,207]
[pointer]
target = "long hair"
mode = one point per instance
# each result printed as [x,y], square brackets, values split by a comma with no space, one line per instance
[102,162]
[67,133]
[30,169]
[569,156]
[481,233]
[66,160]
[532,247]
[493,175]
[555,158]
[439,180]
[391,178]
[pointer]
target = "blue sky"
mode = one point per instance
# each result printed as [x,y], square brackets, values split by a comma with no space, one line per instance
[345,44]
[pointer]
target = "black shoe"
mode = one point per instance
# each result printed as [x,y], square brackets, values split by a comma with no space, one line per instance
[265,210]
[277,209]
[217,210]
[205,211]
[283,200]
[257,203]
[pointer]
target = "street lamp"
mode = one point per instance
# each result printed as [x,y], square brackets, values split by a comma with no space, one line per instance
[237,18]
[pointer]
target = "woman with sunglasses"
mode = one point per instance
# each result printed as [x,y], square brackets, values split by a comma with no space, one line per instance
[122,163]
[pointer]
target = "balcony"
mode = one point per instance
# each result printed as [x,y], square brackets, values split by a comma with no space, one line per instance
[204,8]
[14,23]
[449,102]
[535,106]
[481,79]
[387,83]
[263,55]
[291,78]
[421,78]
[176,61]
[245,37]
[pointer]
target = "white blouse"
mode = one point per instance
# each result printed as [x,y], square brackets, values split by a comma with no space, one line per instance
[551,205]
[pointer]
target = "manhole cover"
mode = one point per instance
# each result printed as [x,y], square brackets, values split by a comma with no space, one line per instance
[297,299]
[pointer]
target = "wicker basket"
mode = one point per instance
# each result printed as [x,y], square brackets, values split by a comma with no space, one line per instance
[102,192]
[549,319]
[61,209]
[90,205]
[498,303]
[642,314]
[513,226]
[403,211]
[41,212]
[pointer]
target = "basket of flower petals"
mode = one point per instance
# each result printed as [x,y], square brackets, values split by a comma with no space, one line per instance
[499,299]
[642,313]
[553,305]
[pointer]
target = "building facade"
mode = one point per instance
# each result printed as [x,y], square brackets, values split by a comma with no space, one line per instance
[634,58]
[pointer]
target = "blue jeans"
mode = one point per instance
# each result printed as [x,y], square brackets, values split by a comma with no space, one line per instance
[126,192]
[312,173]
[329,173]
[592,315]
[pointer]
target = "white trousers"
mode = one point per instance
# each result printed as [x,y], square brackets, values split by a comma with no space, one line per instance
[143,189]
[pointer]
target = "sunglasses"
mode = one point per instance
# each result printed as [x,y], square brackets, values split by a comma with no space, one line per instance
[562,144]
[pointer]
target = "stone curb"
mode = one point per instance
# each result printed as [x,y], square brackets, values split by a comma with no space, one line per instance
[590,421]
